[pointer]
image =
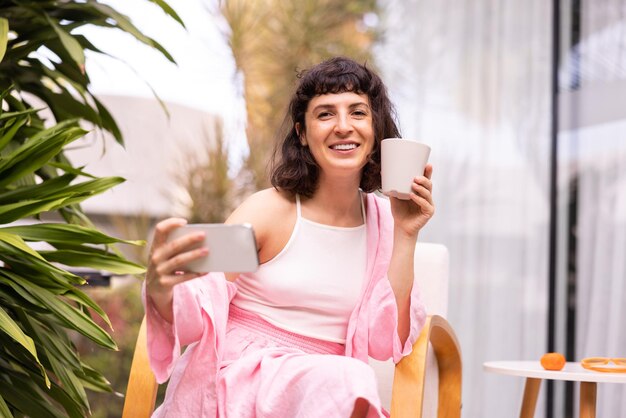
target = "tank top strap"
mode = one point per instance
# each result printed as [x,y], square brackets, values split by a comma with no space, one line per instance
[298,207]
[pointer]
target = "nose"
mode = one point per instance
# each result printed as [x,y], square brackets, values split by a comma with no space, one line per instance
[343,125]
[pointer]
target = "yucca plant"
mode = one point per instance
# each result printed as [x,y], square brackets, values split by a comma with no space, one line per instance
[40,373]
[41,304]
[209,193]
[271,41]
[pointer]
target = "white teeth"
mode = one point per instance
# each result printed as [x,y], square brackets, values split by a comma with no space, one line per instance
[344,147]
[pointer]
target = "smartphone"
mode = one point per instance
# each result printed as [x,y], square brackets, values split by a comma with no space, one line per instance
[232,248]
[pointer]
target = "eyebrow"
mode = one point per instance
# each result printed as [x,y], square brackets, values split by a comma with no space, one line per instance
[332,106]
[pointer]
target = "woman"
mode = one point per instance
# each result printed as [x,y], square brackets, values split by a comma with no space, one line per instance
[335,284]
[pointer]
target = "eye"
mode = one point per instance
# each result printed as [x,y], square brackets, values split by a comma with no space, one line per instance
[324,115]
[360,113]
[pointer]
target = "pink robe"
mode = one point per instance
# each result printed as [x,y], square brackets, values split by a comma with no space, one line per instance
[198,388]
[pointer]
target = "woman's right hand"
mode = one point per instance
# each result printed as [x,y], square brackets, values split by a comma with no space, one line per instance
[165,267]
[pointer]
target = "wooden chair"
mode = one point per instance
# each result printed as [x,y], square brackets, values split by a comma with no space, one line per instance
[142,386]
[426,383]
[409,388]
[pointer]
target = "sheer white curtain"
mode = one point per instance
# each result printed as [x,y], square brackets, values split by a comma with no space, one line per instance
[593,149]
[472,79]
[601,253]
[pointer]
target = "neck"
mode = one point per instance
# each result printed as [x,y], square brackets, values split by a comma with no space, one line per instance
[336,201]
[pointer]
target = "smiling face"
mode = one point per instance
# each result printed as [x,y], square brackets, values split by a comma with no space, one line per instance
[339,132]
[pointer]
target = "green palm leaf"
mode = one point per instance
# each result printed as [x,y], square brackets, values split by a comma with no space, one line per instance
[70,382]
[63,233]
[28,398]
[40,302]
[8,115]
[167,9]
[68,315]
[4,409]
[9,130]
[93,259]
[37,151]
[71,45]
[125,24]
[17,242]
[4,36]
[92,379]
[45,190]
[8,326]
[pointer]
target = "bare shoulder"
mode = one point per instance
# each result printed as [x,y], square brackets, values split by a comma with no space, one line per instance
[272,214]
[261,207]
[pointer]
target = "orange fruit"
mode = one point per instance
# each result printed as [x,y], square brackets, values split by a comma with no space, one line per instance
[553,361]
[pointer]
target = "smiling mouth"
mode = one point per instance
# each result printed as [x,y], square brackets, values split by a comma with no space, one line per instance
[344,147]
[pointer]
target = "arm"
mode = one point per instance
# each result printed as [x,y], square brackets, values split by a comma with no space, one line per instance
[193,302]
[409,218]
[165,260]
[400,275]
[260,210]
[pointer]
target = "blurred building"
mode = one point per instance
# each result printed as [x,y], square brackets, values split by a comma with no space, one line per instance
[157,144]
[157,141]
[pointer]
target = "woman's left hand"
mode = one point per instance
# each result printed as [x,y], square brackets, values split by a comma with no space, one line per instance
[411,215]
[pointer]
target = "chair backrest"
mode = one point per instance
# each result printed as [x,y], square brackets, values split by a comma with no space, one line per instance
[431,277]
[142,386]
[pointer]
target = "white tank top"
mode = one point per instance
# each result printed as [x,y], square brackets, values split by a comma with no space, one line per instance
[313,284]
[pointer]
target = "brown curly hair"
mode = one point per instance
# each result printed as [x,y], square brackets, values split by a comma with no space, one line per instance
[293,167]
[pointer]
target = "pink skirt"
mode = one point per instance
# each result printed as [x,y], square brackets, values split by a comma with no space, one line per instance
[269,372]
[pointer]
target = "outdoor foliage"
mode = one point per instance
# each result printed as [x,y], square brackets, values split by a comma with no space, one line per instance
[207,190]
[271,41]
[42,65]
[123,303]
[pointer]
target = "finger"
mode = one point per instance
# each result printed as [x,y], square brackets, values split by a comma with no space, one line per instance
[425,206]
[424,181]
[423,192]
[178,262]
[163,229]
[428,171]
[177,246]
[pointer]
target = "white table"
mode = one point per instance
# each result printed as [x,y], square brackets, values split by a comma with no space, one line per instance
[534,374]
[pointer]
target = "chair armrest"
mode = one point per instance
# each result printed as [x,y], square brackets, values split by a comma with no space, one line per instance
[142,386]
[410,373]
